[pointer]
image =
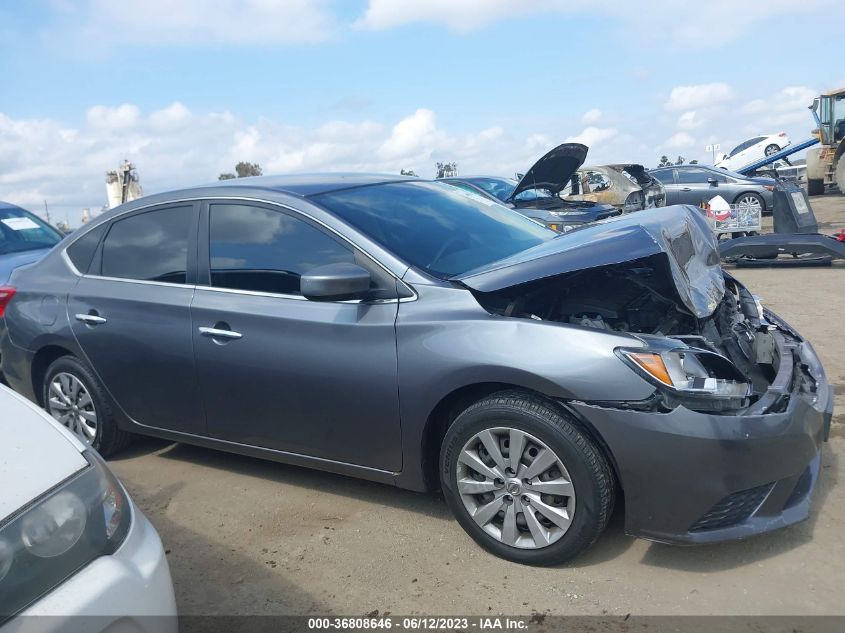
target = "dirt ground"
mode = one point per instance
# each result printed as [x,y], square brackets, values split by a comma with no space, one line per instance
[245,536]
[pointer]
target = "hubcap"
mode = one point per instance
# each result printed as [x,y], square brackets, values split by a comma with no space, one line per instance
[771,149]
[515,488]
[749,202]
[69,402]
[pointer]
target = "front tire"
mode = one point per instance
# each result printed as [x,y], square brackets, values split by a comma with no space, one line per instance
[73,395]
[543,506]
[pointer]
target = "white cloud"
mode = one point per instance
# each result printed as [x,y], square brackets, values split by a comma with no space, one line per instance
[591,117]
[412,135]
[689,120]
[463,16]
[174,114]
[679,140]
[786,107]
[715,22]
[106,23]
[592,136]
[174,147]
[689,97]
[123,116]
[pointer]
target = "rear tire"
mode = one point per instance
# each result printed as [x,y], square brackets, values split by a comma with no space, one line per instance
[577,465]
[750,199]
[74,405]
[815,187]
[771,149]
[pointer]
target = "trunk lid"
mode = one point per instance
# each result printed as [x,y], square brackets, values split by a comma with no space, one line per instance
[678,233]
[554,169]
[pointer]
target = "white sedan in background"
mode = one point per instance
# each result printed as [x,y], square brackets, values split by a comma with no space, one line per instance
[72,544]
[752,150]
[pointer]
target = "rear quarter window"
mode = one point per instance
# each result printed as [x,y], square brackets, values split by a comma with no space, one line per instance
[81,252]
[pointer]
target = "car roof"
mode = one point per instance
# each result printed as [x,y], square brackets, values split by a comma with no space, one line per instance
[307,184]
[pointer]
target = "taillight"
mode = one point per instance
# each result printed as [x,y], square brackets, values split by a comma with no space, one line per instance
[781,133]
[6,294]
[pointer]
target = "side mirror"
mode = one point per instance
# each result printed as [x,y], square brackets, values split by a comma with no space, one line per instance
[713,182]
[335,282]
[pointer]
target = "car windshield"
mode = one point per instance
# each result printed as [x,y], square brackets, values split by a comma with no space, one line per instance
[439,228]
[21,231]
[503,188]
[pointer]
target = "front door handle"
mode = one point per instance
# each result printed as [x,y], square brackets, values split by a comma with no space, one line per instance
[90,319]
[686,189]
[214,332]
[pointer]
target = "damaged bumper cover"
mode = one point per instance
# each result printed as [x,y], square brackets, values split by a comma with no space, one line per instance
[691,477]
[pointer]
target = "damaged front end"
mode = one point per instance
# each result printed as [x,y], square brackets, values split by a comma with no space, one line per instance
[702,338]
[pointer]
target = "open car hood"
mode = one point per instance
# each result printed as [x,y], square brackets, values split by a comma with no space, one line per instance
[679,234]
[554,169]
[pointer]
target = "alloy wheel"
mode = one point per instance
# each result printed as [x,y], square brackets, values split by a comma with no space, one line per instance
[515,488]
[749,202]
[70,403]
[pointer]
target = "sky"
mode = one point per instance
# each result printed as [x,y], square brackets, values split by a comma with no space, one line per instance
[187,88]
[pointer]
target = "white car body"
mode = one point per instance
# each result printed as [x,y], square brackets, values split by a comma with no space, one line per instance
[39,461]
[752,150]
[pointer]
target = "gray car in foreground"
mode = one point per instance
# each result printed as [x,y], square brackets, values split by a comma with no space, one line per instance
[402,331]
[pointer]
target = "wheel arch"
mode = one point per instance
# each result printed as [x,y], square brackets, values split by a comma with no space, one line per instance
[43,358]
[454,403]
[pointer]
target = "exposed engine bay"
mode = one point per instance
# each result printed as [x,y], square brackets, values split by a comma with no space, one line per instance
[640,297]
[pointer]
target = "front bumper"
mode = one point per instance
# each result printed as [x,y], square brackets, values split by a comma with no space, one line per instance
[693,477]
[130,590]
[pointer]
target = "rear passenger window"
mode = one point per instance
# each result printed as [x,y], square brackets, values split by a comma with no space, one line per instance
[667,177]
[252,248]
[81,252]
[151,246]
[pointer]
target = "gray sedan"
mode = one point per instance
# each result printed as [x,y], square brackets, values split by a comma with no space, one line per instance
[694,184]
[407,332]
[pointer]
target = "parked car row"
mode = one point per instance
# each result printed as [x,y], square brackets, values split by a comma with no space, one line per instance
[561,195]
[530,375]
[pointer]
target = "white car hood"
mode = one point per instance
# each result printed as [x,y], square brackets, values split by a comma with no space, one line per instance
[36,452]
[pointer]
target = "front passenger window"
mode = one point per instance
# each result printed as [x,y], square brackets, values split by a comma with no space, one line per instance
[253,248]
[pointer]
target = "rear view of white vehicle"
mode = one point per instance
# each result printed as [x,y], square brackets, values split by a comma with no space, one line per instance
[73,546]
[752,150]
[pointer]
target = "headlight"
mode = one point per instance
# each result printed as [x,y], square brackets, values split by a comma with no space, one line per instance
[86,517]
[700,379]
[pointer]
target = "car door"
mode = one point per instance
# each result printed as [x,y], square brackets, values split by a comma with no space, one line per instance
[316,378]
[130,315]
[667,178]
[694,187]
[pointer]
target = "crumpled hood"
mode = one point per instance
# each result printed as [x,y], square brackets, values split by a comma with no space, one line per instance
[679,232]
[8,263]
[554,169]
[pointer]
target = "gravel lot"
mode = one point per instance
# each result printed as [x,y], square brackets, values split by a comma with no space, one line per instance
[245,536]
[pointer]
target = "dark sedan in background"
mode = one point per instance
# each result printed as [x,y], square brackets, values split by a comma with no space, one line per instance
[24,238]
[694,184]
[536,194]
[407,332]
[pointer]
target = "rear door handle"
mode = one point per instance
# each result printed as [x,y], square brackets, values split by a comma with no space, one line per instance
[218,333]
[686,189]
[90,319]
